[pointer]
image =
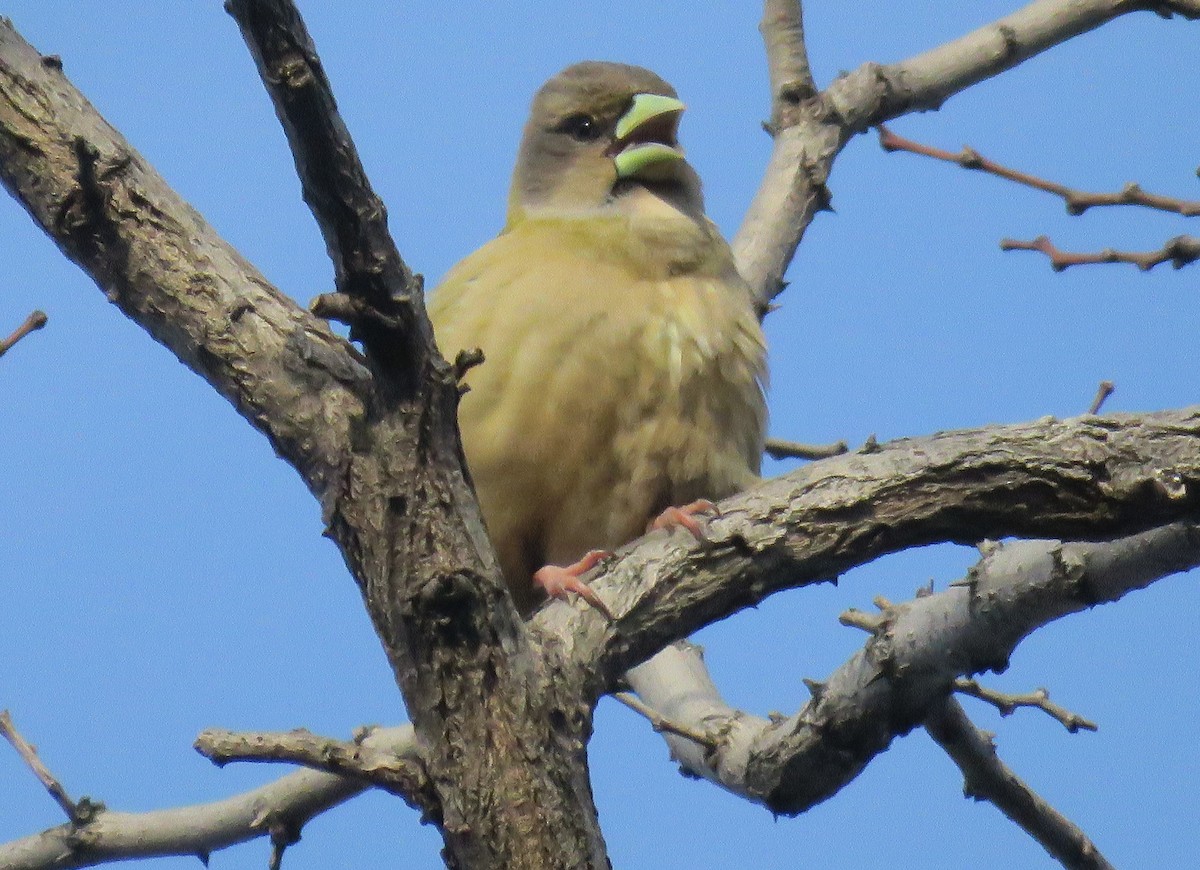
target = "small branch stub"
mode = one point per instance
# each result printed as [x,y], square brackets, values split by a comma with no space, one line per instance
[777,448]
[1106,389]
[35,321]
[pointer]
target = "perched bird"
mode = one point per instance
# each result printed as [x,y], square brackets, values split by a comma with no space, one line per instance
[623,359]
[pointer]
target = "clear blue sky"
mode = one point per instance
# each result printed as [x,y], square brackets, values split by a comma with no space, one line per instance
[163,571]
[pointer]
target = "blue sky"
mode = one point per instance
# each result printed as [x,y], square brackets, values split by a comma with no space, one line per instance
[163,571]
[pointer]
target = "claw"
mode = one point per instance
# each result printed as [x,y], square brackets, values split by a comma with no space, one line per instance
[560,581]
[685,517]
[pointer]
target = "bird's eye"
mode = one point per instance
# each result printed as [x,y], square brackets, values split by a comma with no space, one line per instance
[582,128]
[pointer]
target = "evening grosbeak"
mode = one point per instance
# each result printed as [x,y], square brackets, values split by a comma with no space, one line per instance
[623,359]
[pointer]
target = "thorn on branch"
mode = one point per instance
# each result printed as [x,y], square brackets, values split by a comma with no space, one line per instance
[35,321]
[1179,251]
[1106,389]
[1039,699]
[777,448]
[815,688]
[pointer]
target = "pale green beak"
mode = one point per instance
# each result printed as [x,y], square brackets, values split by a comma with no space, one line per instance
[646,134]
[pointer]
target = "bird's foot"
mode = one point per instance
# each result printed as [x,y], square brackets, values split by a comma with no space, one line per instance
[560,581]
[685,517]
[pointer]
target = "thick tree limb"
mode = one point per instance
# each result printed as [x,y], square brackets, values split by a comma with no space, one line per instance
[353,220]
[792,83]
[1088,476]
[986,777]
[169,271]
[793,188]
[482,698]
[905,671]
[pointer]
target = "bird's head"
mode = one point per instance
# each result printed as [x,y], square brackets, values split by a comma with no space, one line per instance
[597,133]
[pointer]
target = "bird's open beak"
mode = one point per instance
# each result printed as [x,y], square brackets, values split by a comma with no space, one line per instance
[646,137]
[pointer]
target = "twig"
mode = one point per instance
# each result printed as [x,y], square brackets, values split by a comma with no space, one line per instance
[35,321]
[777,448]
[1077,201]
[986,777]
[660,724]
[1179,251]
[1106,389]
[402,776]
[29,754]
[1039,698]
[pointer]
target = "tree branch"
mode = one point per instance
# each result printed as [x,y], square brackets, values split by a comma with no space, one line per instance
[407,522]
[793,187]
[169,271]
[777,448]
[904,672]
[402,776]
[1038,699]
[202,828]
[1179,252]
[792,83]
[986,777]
[1077,201]
[1089,476]
[367,266]
[77,812]
[35,321]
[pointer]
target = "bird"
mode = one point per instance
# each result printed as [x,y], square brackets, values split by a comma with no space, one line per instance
[624,364]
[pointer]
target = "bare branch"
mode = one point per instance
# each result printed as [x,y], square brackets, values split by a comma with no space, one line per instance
[169,271]
[777,448]
[36,320]
[1179,252]
[792,83]
[906,670]
[403,776]
[390,317]
[202,828]
[663,725]
[793,189]
[1089,476]
[986,777]
[1106,389]
[78,813]
[1077,201]
[1038,699]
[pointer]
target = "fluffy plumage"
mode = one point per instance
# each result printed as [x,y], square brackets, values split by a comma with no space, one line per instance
[624,361]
